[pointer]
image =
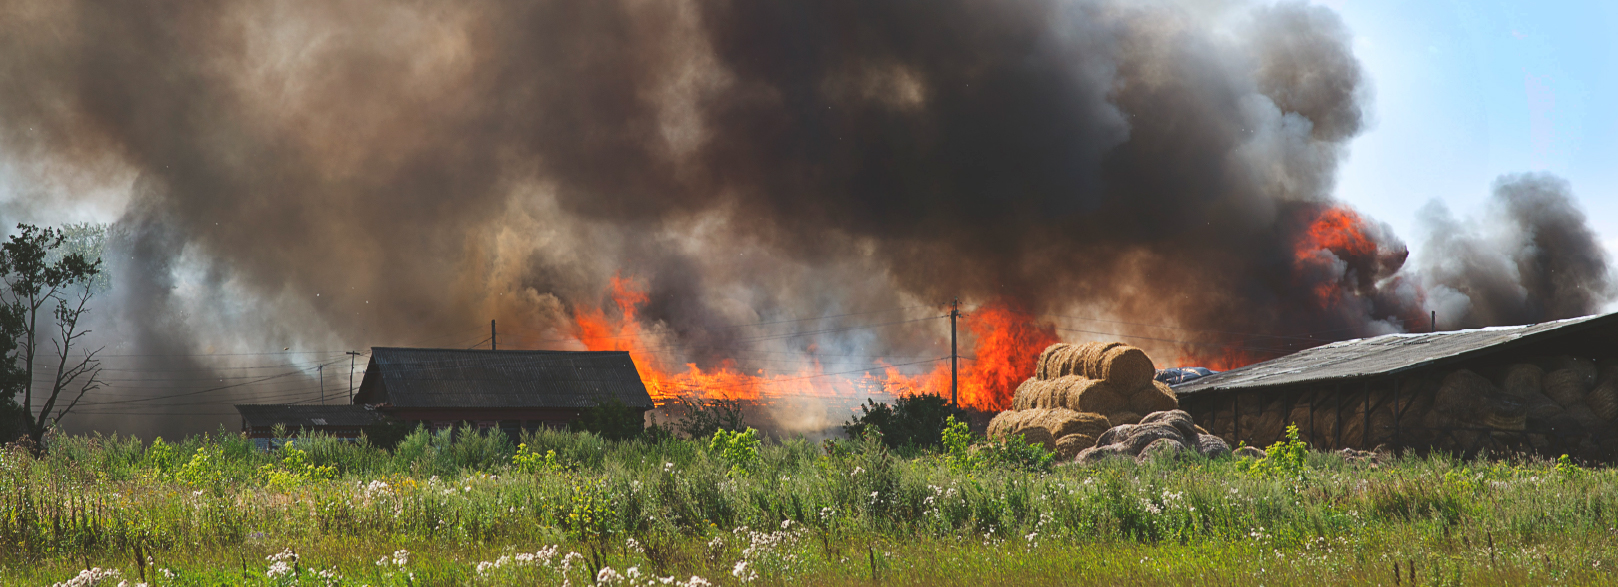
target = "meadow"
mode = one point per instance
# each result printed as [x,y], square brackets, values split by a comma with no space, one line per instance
[568,508]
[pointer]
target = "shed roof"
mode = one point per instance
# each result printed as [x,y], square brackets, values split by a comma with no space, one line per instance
[412,377]
[308,416]
[1386,355]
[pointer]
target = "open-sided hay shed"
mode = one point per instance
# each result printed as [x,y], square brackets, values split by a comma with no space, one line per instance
[1463,391]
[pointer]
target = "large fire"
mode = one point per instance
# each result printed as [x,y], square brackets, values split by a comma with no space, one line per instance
[999,348]
[1337,233]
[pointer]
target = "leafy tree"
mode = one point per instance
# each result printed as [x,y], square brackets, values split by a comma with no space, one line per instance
[915,420]
[51,270]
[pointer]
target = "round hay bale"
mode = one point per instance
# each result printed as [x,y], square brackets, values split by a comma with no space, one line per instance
[1019,398]
[1603,400]
[1522,380]
[1114,433]
[1126,366]
[1212,446]
[1162,448]
[1566,387]
[1585,416]
[1004,422]
[1068,447]
[1461,395]
[1179,419]
[1096,397]
[1539,405]
[1499,421]
[1125,417]
[1036,435]
[1042,369]
[1585,368]
[1144,434]
[1097,454]
[1157,397]
[1062,422]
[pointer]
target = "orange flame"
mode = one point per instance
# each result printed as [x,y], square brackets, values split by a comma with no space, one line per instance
[1002,346]
[1339,232]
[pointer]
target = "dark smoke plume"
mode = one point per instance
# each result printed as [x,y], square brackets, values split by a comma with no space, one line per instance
[319,175]
[1534,259]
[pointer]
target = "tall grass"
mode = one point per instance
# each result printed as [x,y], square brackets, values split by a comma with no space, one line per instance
[800,513]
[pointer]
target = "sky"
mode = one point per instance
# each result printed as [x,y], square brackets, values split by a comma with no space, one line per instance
[1464,92]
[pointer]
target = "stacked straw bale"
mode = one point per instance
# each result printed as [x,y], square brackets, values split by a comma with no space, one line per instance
[1100,384]
[1162,434]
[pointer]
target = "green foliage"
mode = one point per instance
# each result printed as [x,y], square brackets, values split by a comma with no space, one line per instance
[799,516]
[205,470]
[914,420]
[957,439]
[611,420]
[1014,453]
[703,418]
[531,462]
[294,470]
[1287,458]
[739,449]
[160,457]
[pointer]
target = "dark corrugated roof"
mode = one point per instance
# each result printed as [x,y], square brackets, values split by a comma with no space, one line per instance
[1382,355]
[308,416]
[495,379]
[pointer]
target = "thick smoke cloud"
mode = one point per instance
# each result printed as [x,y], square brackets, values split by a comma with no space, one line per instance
[1533,259]
[329,175]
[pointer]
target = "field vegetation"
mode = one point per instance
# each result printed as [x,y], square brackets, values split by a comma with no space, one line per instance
[570,508]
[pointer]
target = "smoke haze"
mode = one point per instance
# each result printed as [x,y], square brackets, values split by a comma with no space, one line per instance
[320,176]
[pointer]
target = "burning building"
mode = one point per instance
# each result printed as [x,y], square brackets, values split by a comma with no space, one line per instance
[1548,388]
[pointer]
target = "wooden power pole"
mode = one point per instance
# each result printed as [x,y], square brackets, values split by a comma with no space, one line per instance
[954,356]
[492,343]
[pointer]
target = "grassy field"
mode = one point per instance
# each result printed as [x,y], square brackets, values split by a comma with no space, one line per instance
[574,509]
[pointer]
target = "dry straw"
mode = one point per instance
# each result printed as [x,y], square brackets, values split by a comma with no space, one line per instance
[1566,386]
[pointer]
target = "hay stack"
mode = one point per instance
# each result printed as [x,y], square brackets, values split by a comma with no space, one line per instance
[1603,399]
[1459,398]
[1106,382]
[1159,433]
[1523,381]
[1566,386]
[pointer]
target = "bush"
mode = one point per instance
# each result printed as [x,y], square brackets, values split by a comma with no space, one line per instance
[1285,458]
[611,420]
[916,420]
[739,449]
[704,418]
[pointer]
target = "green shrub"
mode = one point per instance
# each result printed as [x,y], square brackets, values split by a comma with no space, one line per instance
[703,418]
[738,449]
[294,470]
[1288,458]
[529,461]
[914,420]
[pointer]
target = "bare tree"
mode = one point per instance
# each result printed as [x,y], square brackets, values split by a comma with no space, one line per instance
[41,270]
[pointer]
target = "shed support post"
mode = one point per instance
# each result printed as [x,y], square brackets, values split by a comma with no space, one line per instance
[1397,381]
[1338,391]
[1365,435]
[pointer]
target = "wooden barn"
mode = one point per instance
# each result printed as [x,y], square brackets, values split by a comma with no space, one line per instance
[509,390]
[1549,388]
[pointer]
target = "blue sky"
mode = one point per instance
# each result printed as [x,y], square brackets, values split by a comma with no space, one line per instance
[1466,91]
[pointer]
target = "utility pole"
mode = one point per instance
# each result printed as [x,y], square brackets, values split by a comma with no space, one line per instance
[492,346]
[1434,324]
[351,356]
[954,356]
[322,371]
